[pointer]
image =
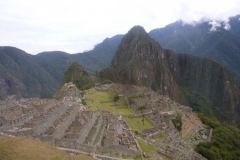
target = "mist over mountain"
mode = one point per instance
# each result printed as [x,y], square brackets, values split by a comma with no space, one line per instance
[219,41]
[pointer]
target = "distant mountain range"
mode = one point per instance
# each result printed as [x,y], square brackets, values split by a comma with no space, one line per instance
[40,75]
[220,43]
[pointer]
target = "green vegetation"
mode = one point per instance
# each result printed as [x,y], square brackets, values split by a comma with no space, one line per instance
[116,98]
[23,76]
[138,158]
[136,124]
[76,74]
[90,135]
[107,75]
[150,150]
[147,148]
[105,101]
[84,102]
[161,137]
[177,122]
[99,134]
[84,82]
[220,46]
[141,109]
[225,141]
[60,93]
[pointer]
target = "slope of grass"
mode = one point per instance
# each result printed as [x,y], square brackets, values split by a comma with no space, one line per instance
[136,124]
[150,150]
[104,100]
[27,148]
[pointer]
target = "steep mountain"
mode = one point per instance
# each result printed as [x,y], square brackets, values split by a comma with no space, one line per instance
[219,41]
[78,76]
[40,75]
[198,82]
[101,56]
[20,75]
[57,62]
[139,60]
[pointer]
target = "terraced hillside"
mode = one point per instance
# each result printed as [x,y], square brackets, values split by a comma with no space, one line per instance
[105,123]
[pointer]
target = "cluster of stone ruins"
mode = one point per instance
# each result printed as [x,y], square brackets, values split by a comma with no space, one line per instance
[67,123]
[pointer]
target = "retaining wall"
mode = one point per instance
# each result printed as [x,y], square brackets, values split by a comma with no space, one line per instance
[85,131]
[49,120]
[119,149]
[60,130]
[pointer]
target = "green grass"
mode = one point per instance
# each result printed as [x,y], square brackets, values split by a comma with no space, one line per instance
[150,150]
[104,100]
[90,135]
[138,158]
[99,133]
[136,124]
[124,111]
[160,138]
[147,148]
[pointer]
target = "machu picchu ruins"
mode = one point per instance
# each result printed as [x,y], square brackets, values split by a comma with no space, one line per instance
[70,124]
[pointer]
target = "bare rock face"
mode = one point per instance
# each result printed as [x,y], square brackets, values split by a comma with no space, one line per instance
[201,83]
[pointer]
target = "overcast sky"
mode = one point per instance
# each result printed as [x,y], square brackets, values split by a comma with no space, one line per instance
[74,26]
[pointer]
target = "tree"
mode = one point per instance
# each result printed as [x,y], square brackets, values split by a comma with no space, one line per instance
[116,98]
[141,109]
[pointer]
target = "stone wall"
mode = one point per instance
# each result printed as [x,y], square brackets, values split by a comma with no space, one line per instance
[119,149]
[47,138]
[49,120]
[19,132]
[101,134]
[85,148]
[45,106]
[60,130]
[67,143]
[85,131]
[100,121]
[6,123]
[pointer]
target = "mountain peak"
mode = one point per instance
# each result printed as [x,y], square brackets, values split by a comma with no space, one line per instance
[78,76]
[137,30]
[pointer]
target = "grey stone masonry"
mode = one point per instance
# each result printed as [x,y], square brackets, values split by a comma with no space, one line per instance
[100,121]
[84,133]
[44,107]
[49,120]
[60,130]
[119,149]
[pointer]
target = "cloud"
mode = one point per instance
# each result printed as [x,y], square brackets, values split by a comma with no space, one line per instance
[79,25]
[227,26]
[214,24]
